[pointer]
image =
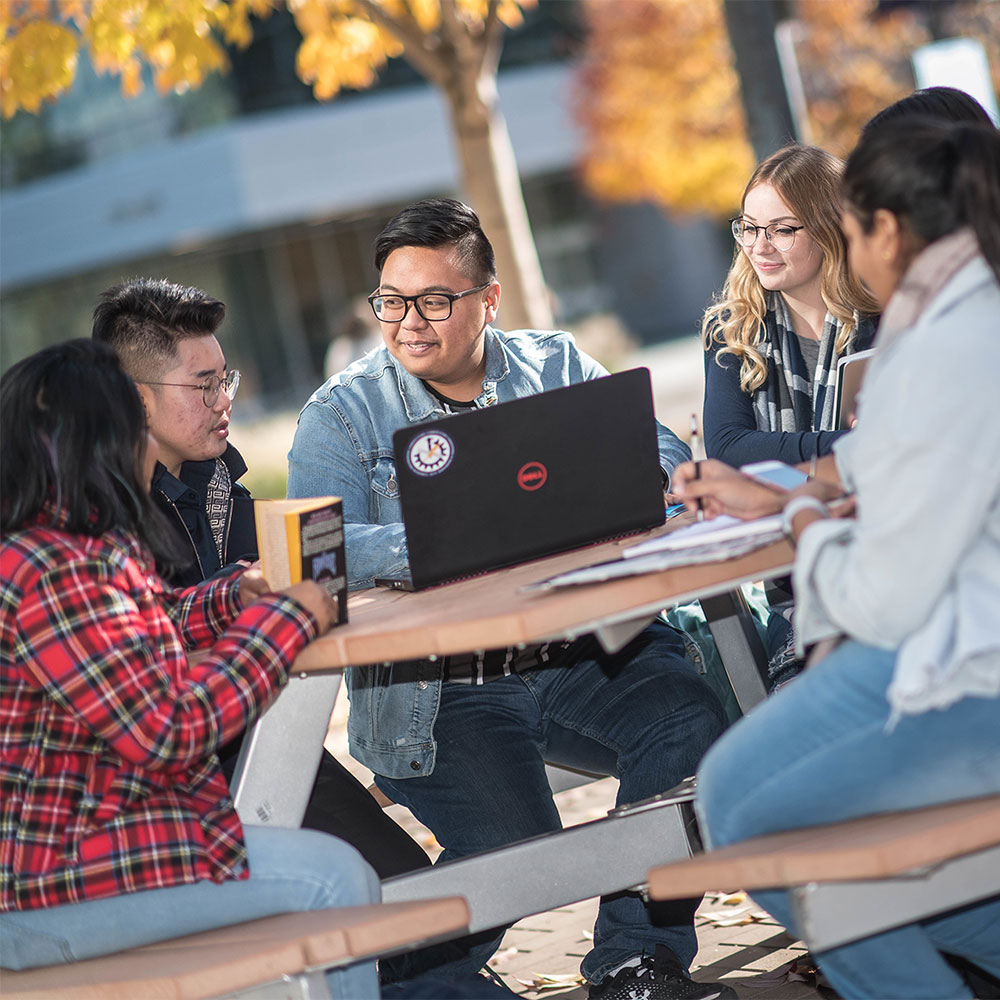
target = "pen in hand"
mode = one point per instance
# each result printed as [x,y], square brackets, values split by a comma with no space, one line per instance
[696,452]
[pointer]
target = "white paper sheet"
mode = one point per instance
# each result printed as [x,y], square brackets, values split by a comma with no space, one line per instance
[707,547]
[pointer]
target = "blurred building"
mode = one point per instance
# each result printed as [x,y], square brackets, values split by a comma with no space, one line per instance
[269,200]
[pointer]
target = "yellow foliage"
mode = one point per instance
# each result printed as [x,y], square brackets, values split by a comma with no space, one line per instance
[38,63]
[661,102]
[73,10]
[235,21]
[426,13]
[660,98]
[340,46]
[474,11]
[181,41]
[344,45]
[177,39]
[15,14]
[853,65]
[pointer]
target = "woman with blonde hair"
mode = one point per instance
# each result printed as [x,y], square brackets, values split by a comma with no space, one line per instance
[788,310]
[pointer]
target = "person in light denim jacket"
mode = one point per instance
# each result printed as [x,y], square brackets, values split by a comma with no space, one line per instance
[462,741]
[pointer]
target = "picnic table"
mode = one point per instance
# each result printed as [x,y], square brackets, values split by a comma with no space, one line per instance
[498,609]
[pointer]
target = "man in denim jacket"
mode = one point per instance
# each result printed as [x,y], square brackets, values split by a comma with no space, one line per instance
[462,741]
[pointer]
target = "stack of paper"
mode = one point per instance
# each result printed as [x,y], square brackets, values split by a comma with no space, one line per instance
[707,541]
[719,531]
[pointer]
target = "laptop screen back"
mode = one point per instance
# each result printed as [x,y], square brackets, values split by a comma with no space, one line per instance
[522,479]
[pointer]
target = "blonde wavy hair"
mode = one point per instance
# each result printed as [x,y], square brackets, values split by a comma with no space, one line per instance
[808,180]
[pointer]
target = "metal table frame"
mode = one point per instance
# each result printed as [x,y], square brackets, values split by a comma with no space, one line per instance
[275,771]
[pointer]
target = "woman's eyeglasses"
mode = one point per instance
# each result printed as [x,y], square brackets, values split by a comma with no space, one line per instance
[780,235]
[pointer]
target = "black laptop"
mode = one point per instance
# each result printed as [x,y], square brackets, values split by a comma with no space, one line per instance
[524,479]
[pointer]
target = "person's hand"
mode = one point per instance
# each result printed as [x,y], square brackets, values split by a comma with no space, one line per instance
[316,601]
[724,490]
[847,507]
[253,585]
[819,488]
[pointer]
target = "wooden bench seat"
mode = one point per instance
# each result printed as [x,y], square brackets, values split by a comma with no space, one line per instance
[232,959]
[851,879]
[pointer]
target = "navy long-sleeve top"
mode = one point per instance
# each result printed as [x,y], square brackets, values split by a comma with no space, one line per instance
[730,425]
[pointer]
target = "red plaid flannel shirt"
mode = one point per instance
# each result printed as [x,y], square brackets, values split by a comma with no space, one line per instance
[109,782]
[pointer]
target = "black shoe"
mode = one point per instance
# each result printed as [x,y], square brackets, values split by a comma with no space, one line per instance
[657,977]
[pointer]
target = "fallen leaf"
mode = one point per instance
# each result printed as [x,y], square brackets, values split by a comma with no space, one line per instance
[542,981]
[737,921]
[716,915]
[502,956]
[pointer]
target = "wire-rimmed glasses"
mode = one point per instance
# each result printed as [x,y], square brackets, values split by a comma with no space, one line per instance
[779,234]
[211,387]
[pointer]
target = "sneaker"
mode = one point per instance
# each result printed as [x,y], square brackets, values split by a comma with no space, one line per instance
[656,977]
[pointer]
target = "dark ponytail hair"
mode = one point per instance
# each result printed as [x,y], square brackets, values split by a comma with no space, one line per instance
[934,176]
[73,437]
[947,103]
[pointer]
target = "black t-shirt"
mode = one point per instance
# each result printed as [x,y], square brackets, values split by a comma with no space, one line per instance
[451,405]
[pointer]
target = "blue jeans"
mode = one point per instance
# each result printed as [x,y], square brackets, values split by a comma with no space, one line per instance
[819,752]
[290,870]
[644,715]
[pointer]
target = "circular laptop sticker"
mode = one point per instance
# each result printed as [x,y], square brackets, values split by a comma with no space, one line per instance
[531,476]
[430,453]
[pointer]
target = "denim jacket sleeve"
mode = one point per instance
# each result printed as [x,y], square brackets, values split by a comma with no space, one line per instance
[673,451]
[328,458]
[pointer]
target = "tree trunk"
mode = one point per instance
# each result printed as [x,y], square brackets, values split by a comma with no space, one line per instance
[765,101]
[461,59]
[492,186]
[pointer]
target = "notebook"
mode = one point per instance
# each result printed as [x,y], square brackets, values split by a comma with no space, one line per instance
[523,479]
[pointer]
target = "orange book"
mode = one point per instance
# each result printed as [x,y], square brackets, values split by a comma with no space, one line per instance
[303,540]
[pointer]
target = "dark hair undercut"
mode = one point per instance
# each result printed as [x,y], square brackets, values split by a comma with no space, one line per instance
[435,223]
[143,318]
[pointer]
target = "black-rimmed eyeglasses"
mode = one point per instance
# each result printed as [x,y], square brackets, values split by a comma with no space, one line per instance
[431,306]
[211,387]
[780,235]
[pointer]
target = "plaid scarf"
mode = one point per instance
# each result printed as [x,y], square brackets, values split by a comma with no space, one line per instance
[784,402]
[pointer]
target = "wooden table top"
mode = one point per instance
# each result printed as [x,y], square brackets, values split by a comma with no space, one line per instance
[492,611]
